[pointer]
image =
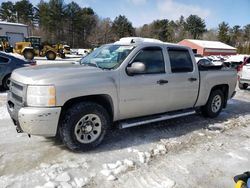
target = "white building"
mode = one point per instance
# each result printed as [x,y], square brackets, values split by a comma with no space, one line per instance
[15,31]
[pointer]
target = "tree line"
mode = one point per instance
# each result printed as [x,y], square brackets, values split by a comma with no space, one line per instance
[81,27]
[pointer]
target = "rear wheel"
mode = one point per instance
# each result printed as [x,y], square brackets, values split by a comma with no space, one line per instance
[214,104]
[243,86]
[50,55]
[84,126]
[28,54]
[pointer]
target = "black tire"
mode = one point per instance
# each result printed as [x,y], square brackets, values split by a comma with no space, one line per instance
[78,138]
[28,54]
[214,104]
[6,82]
[243,86]
[50,55]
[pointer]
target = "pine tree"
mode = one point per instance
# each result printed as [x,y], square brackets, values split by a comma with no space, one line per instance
[195,26]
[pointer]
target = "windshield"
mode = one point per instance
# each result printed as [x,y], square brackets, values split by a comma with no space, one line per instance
[107,56]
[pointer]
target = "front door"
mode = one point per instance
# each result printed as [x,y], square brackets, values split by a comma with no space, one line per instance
[146,93]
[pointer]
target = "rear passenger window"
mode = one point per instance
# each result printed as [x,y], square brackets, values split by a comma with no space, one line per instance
[153,59]
[3,60]
[180,60]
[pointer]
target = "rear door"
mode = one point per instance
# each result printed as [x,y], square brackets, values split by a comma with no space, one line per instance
[246,70]
[183,79]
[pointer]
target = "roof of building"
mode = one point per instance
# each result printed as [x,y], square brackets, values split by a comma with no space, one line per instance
[211,44]
[14,24]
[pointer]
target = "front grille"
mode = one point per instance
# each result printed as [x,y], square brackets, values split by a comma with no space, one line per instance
[17,98]
[17,91]
[17,86]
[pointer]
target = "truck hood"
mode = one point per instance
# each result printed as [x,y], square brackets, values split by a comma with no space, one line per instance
[50,74]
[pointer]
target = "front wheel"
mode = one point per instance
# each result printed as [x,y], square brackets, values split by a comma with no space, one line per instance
[50,55]
[84,126]
[214,104]
[28,54]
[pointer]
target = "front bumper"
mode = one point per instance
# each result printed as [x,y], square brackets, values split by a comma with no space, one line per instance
[34,121]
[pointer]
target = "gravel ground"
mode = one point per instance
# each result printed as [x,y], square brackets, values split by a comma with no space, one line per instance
[184,152]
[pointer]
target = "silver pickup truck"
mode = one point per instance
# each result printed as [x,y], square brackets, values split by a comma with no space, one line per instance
[131,82]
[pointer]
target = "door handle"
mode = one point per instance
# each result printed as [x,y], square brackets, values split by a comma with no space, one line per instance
[192,79]
[161,82]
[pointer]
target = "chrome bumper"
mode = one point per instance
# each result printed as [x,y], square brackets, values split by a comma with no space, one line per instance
[34,121]
[39,121]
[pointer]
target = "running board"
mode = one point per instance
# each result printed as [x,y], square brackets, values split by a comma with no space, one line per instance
[152,119]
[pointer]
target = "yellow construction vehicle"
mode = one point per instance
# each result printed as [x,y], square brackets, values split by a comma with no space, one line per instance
[5,45]
[32,47]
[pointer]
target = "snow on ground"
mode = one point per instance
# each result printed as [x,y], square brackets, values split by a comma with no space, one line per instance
[3,112]
[68,59]
[186,152]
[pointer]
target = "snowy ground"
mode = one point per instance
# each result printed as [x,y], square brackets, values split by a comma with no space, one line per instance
[185,152]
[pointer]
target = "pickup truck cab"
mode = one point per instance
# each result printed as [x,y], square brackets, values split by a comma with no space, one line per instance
[131,82]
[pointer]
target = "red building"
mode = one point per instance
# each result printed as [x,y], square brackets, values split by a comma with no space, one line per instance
[207,48]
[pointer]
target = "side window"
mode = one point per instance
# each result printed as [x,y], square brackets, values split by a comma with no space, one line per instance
[3,60]
[180,60]
[153,59]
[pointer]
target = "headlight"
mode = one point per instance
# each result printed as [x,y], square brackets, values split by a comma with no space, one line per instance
[41,96]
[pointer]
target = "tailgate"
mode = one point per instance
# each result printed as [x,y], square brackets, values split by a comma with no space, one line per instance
[245,74]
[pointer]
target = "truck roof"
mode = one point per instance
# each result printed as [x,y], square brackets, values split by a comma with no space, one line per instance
[139,40]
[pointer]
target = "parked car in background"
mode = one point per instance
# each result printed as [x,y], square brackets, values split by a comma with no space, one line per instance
[83,52]
[244,74]
[204,62]
[236,61]
[8,63]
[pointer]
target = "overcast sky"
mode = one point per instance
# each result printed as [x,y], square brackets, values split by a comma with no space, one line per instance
[139,12]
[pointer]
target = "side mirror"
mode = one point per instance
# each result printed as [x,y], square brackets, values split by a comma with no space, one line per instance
[136,68]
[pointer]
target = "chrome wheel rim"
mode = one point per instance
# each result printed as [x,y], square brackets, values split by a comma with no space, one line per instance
[216,103]
[88,128]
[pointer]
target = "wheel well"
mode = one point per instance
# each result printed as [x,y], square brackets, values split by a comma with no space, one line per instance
[103,100]
[224,88]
